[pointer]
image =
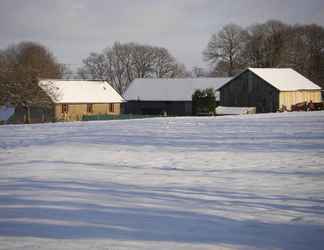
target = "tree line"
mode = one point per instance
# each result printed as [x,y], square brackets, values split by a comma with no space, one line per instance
[23,64]
[122,63]
[229,51]
[272,44]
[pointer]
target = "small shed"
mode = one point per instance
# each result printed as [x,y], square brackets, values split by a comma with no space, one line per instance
[171,96]
[268,89]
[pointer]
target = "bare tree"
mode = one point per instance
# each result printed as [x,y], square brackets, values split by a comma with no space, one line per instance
[269,44]
[227,47]
[165,65]
[21,67]
[142,58]
[198,72]
[266,43]
[94,67]
[66,72]
[304,51]
[122,63]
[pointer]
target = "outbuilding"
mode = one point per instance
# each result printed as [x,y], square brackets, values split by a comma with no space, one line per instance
[268,89]
[71,99]
[170,96]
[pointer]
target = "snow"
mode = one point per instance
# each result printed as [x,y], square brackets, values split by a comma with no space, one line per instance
[170,89]
[80,91]
[222,110]
[240,182]
[285,79]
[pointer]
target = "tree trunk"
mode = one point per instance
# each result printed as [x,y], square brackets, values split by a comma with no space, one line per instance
[43,115]
[27,115]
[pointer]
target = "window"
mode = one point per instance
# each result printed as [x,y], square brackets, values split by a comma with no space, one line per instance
[89,108]
[65,108]
[111,108]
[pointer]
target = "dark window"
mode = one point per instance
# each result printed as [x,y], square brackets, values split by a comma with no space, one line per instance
[89,108]
[65,108]
[111,108]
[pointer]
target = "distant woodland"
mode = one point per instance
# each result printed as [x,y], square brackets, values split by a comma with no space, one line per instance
[272,45]
[228,51]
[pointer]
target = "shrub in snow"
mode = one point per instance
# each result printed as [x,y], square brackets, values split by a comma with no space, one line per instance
[203,101]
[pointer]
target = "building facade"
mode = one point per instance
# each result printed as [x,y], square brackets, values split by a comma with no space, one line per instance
[171,108]
[72,99]
[75,111]
[268,90]
[166,96]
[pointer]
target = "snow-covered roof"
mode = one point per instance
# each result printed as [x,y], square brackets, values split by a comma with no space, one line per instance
[285,79]
[170,89]
[80,91]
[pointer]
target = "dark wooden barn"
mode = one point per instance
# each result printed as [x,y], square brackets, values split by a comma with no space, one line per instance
[268,89]
[170,96]
[172,108]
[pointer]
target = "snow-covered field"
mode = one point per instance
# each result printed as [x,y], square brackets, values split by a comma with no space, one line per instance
[244,182]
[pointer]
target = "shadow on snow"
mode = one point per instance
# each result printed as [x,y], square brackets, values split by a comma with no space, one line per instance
[72,216]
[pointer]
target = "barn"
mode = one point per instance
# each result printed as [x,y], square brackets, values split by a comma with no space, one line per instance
[268,89]
[170,96]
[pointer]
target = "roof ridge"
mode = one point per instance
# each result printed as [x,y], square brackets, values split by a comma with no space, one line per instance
[291,81]
[75,80]
[269,68]
[198,78]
